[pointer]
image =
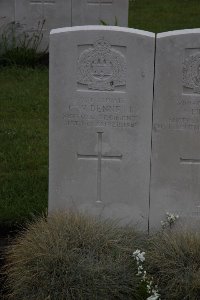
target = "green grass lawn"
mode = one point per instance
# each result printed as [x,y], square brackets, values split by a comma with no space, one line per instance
[164,15]
[23,143]
[24,115]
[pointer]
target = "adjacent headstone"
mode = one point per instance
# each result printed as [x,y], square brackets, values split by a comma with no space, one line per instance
[175,183]
[91,12]
[7,11]
[32,13]
[101,86]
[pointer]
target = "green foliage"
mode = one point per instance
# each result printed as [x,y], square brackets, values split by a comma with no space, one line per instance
[166,15]
[24,143]
[102,22]
[20,48]
[174,260]
[72,256]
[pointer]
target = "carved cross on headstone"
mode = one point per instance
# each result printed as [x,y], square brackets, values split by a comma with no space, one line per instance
[196,213]
[99,157]
[43,3]
[99,2]
[190,161]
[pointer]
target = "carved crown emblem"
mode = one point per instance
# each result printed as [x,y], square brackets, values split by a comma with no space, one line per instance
[191,72]
[101,67]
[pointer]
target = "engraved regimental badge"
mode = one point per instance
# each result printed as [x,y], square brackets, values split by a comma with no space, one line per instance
[191,72]
[101,67]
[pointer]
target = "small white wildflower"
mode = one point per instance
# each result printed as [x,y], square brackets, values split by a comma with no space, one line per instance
[140,269]
[170,220]
[163,224]
[153,297]
[144,276]
[152,290]
[170,217]
[139,273]
[148,288]
[141,256]
[136,252]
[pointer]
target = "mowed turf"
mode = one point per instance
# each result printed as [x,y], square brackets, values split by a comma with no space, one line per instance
[164,15]
[24,115]
[23,143]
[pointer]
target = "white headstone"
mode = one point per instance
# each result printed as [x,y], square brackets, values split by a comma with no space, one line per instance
[175,183]
[101,81]
[61,13]
[7,12]
[56,13]
[91,12]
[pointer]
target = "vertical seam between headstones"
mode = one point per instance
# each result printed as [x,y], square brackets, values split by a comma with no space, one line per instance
[154,74]
[71,13]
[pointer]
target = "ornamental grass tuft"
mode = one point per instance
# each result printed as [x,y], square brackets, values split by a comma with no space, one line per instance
[174,261]
[72,256]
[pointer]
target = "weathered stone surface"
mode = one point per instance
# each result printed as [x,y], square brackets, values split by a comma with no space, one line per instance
[175,183]
[62,13]
[90,12]
[55,13]
[101,85]
[7,12]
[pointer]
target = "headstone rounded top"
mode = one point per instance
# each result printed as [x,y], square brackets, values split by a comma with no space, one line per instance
[178,32]
[101,27]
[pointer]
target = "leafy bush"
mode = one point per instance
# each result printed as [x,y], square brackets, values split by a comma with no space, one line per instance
[73,257]
[21,48]
[174,260]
